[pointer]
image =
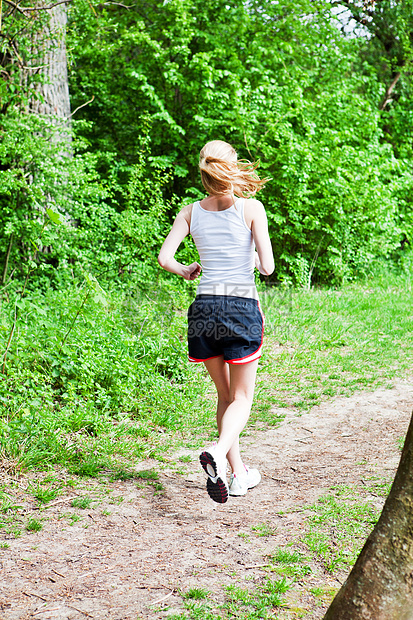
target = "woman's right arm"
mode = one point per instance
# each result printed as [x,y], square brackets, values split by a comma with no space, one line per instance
[179,231]
[259,227]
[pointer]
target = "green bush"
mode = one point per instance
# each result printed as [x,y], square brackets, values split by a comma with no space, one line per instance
[118,369]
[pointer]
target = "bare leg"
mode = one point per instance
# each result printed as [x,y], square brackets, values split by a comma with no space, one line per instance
[219,373]
[235,387]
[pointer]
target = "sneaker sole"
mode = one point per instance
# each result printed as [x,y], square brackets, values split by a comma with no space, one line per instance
[217,490]
[255,484]
[216,487]
[239,494]
[206,459]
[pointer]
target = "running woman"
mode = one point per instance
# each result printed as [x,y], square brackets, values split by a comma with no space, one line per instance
[225,323]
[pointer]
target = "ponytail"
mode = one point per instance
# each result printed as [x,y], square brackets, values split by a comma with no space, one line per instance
[222,173]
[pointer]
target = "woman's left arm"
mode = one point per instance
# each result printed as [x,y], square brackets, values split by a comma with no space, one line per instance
[264,260]
[166,258]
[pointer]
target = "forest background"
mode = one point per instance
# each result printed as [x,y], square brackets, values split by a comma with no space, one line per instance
[104,107]
[92,330]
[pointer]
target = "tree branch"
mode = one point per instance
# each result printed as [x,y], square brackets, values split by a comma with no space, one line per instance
[14,46]
[28,9]
[117,4]
[389,91]
[6,262]
[14,6]
[361,15]
[81,106]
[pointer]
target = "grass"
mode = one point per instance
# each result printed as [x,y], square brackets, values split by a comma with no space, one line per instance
[243,603]
[151,477]
[120,387]
[258,602]
[44,496]
[34,525]
[196,594]
[292,564]
[122,474]
[122,391]
[81,502]
[326,343]
[148,474]
[7,504]
[264,529]
[187,458]
[62,411]
[338,526]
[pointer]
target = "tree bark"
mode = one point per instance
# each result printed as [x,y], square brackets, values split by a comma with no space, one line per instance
[50,46]
[380,586]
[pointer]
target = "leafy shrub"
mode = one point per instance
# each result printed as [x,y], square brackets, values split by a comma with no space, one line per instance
[118,370]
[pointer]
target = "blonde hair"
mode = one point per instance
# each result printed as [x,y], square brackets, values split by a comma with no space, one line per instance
[222,173]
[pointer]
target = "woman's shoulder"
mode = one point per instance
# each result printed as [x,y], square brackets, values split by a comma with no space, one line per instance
[252,208]
[186,212]
[252,203]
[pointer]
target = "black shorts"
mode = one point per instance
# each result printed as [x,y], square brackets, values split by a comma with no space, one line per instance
[223,325]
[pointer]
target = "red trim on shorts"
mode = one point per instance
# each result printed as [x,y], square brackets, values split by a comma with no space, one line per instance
[251,357]
[257,354]
[248,358]
[194,359]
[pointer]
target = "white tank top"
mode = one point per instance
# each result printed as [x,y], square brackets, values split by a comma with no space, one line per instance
[226,251]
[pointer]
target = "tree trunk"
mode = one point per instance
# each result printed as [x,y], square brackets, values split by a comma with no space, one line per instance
[50,46]
[380,586]
[51,98]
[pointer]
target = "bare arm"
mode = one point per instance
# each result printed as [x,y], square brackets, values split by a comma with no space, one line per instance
[179,231]
[264,260]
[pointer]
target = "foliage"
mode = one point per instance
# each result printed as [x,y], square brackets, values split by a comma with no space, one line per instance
[98,234]
[308,106]
[116,384]
[109,383]
[294,84]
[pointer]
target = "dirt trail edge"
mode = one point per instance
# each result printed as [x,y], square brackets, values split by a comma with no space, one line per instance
[134,553]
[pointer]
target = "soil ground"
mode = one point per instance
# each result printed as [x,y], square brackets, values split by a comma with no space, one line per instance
[135,553]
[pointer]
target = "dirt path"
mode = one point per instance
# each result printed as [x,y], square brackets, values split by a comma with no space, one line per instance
[155,547]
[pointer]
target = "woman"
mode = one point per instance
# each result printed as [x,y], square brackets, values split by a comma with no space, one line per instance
[225,324]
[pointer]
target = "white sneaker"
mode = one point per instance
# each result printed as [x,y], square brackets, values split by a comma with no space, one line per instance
[240,484]
[215,468]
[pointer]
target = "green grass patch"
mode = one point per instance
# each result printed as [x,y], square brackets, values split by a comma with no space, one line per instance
[81,502]
[34,525]
[45,495]
[264,529]
[290,563]
[122,474]
[151,478]
[261,601]
[148,474]
[7,504]
[119,388]
[338,526]
[196,594]
[326,343]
